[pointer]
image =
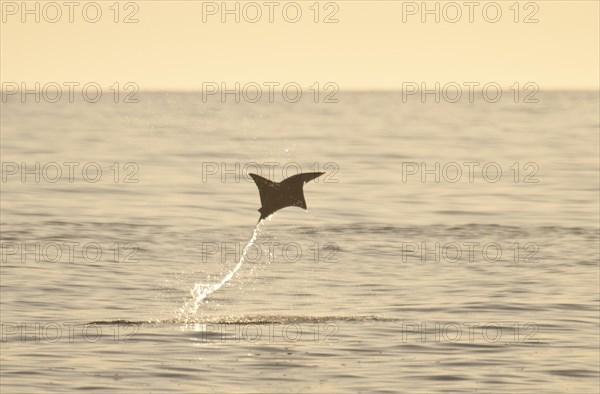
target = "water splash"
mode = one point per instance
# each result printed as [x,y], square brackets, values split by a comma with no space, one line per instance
[201,291]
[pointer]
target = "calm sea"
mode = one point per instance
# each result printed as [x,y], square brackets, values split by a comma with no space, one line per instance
[448,248]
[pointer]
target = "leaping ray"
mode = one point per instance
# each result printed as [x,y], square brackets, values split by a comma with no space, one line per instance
[287,193]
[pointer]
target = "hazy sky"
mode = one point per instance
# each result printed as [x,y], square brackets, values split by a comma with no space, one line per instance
[370,47]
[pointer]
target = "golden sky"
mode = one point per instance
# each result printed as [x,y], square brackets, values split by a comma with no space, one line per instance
[374,44]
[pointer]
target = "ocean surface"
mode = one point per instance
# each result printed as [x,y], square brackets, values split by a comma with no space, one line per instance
[448,247]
